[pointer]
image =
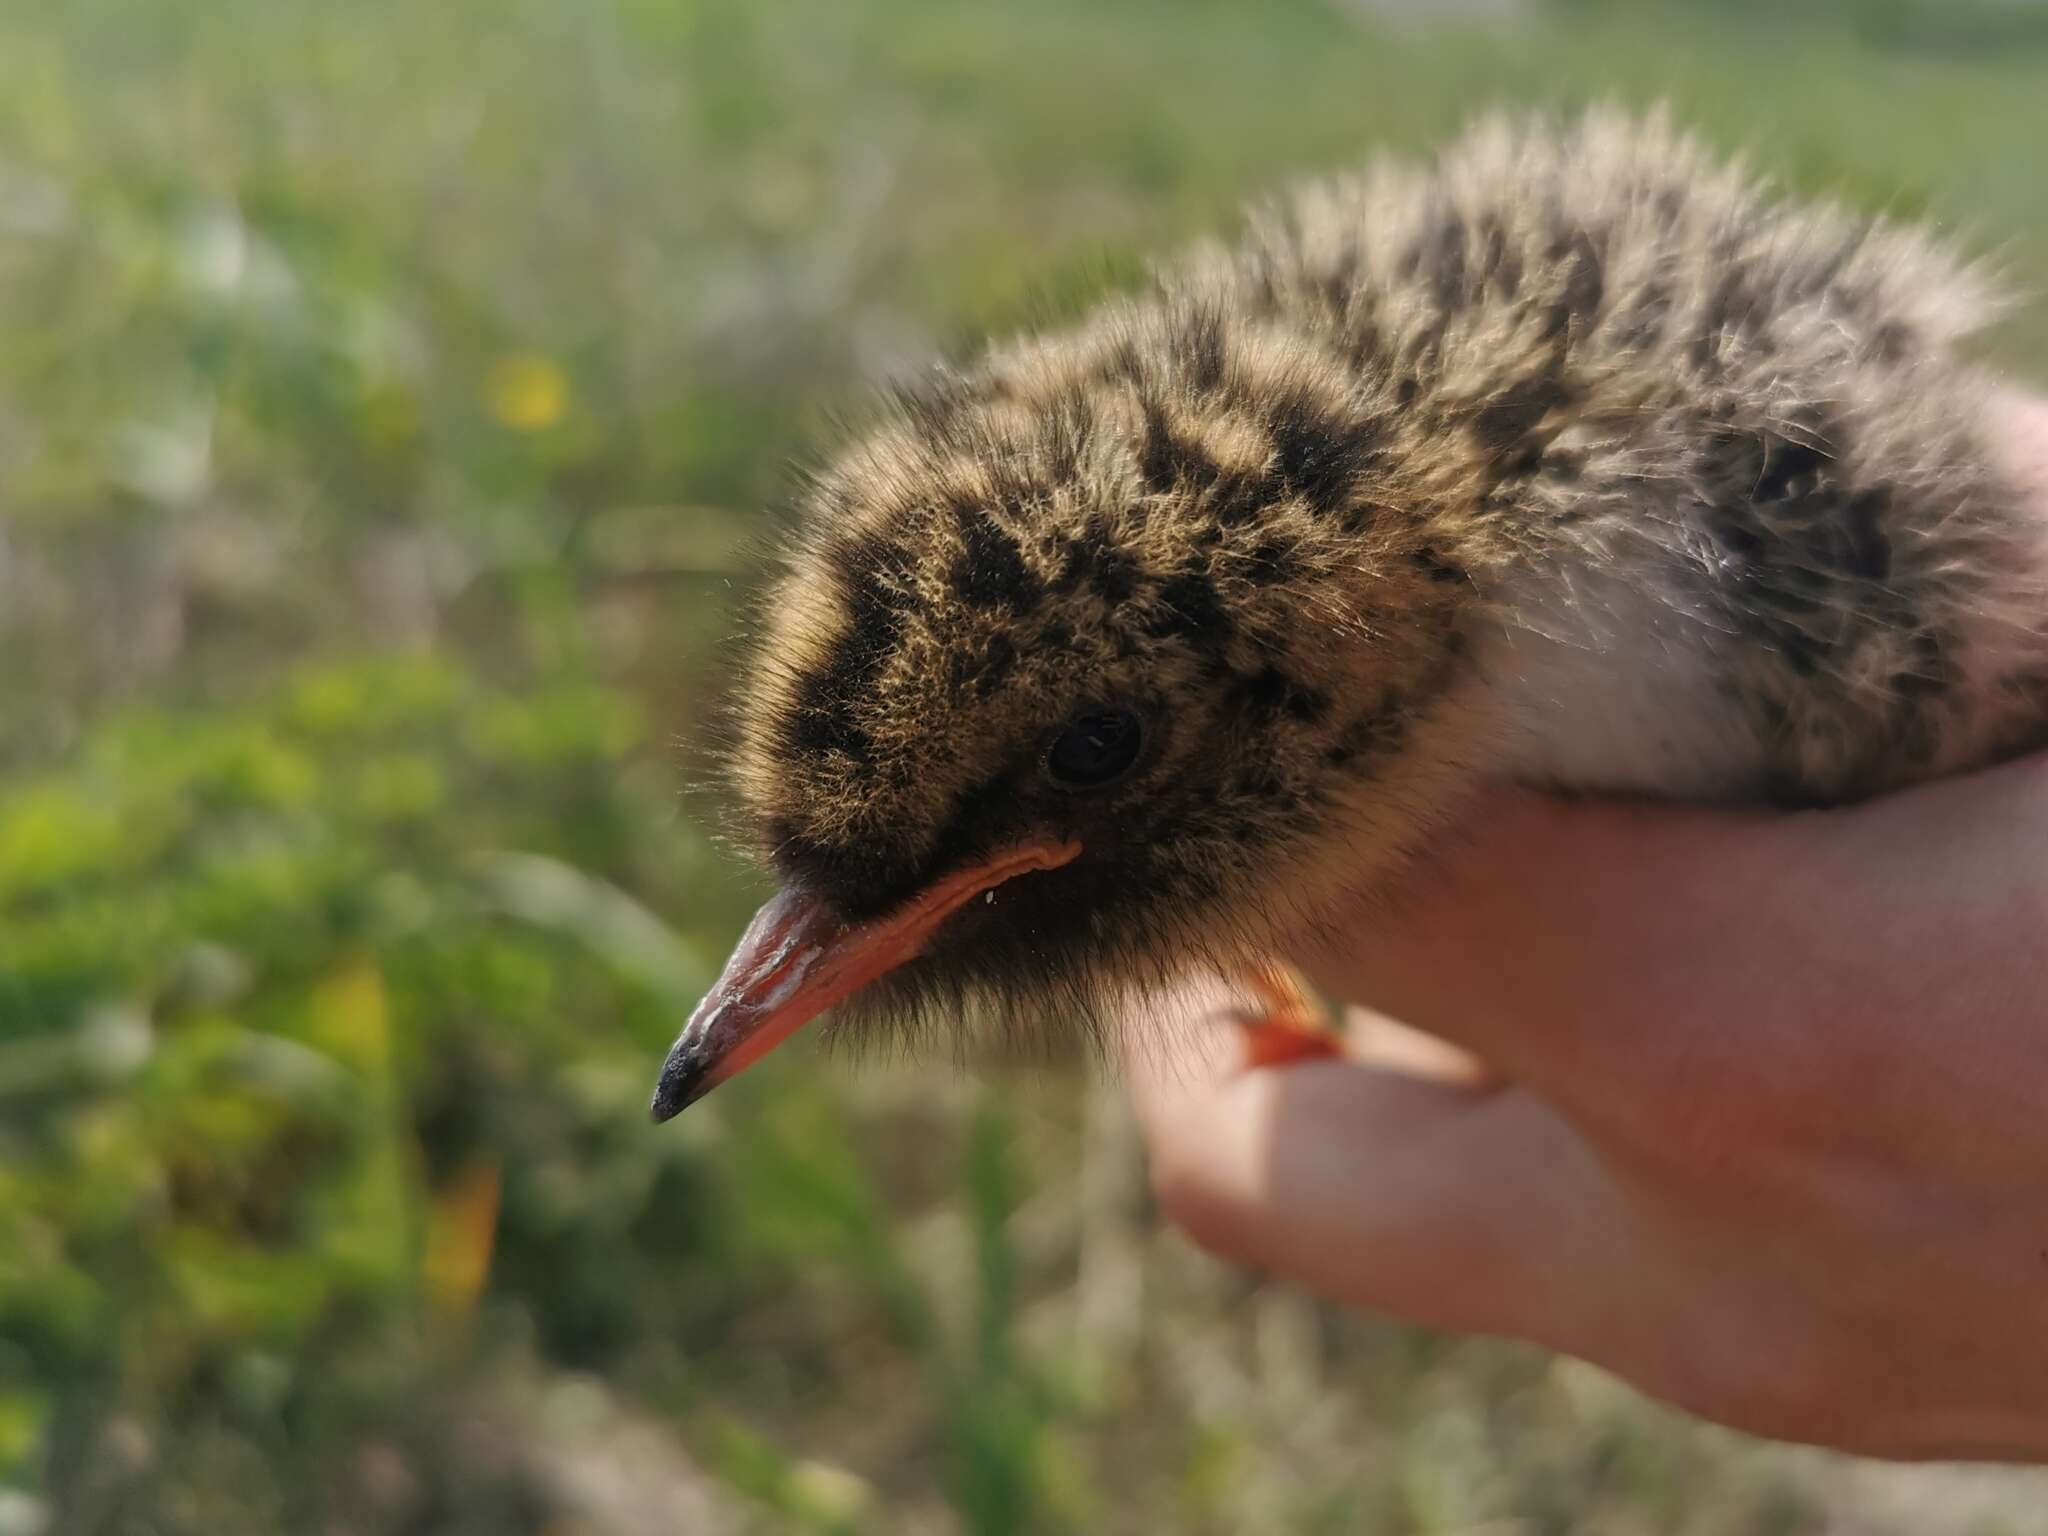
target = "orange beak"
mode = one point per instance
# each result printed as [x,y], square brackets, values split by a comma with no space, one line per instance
[797,959]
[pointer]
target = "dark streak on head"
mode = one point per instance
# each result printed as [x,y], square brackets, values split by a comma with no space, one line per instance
[982,672]
[1243,498]
[1094,558]
[990,571]
[1500,268]
[869,573]
[1439,256]
[1869,554]
[1436,567]
[1318,456]
[1272,561]
[1505,424]
[1270,693]
[1786,471]
[1375,734]
[1584,284]
[1191,611]
[1124,362]
[1168,462]
[1892,342]
[822,721]
[1928,677]
[1198,351]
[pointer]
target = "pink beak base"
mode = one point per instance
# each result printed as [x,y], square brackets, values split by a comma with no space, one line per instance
[797,958]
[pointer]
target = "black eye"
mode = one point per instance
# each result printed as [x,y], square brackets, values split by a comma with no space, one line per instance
[1095,749]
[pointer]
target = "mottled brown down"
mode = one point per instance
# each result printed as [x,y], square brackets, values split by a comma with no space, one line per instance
[1575,457]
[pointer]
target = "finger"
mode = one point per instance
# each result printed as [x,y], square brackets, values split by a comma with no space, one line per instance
[1377,1040]
[1551,934]
[1597,950]
[1196,1032]
[1378,1188]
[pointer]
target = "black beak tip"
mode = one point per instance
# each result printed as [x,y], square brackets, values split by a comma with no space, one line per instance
[682,1083]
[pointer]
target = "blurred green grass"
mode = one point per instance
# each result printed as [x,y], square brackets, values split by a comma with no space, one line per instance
[387,396]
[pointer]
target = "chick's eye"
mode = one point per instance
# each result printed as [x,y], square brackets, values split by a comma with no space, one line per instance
[1095,749]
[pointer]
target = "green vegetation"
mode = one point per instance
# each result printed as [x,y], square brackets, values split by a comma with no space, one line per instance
[387,392]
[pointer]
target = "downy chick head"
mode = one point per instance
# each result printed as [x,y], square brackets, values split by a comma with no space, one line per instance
[1078,669]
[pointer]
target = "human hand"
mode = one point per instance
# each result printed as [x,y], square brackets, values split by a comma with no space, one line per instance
[1769,1134]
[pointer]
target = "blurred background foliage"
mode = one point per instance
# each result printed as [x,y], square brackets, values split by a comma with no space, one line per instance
[387,395]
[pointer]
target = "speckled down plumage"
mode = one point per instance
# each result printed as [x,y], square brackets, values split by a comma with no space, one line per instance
[1576,457]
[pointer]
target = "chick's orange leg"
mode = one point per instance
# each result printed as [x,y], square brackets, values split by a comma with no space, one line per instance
[1286,1025]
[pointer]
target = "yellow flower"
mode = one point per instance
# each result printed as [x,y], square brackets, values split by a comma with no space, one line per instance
[462,1228]
[526,392]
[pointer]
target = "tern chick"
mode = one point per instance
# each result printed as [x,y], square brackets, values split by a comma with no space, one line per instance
[1575,459]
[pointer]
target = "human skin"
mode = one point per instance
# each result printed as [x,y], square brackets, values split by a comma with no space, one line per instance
[1762,1124]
